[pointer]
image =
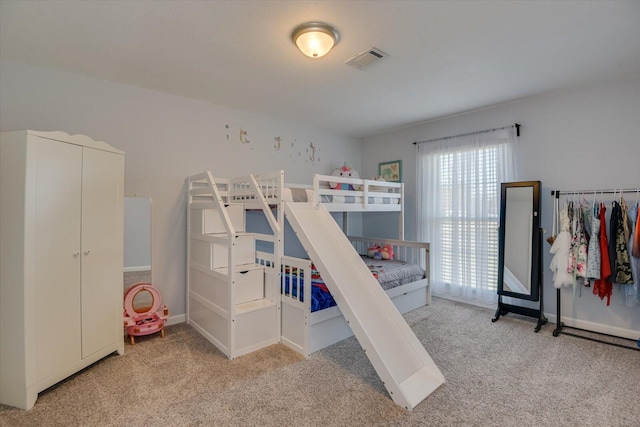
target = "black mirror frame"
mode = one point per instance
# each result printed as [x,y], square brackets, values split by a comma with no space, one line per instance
[534,294]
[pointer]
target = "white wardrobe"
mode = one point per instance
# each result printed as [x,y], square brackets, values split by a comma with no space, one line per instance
[61,259]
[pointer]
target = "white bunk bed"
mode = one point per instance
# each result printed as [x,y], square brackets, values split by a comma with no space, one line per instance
[299,328]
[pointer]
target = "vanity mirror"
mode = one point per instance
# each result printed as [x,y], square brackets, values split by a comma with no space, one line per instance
[143,313]
[519,258]
[143,301]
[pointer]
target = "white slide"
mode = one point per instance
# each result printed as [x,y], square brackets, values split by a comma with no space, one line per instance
[402,363]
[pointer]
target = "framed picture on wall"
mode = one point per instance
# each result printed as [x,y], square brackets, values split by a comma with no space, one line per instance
[391,171]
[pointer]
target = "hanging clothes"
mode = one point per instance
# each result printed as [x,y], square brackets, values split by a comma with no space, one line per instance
[602,287]
[630,296]
[613,224]
[587,217]
[582,251]
[554,224]
[636,236]
[634,241]
[626,223]
[594,258]
[573,247]
[622,266]
[560,250]
[578,252]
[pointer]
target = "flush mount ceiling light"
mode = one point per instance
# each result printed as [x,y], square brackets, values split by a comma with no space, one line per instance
[315,39]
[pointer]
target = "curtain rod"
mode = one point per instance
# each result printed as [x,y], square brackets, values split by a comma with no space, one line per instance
[515,125]
[559,193]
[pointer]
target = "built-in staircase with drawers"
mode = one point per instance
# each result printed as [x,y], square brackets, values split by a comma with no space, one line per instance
[231,299]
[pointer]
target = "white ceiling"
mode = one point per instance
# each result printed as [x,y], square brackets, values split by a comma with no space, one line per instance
[445,57]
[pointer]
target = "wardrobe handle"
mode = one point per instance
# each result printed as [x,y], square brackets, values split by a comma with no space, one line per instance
[75,255]
[87,252]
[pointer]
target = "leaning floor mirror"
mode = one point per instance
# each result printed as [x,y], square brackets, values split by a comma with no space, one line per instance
[137,240]
[519,245]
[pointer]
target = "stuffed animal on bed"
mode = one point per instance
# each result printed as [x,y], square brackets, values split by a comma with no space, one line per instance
[373,250]
[380,252]
[387,252]
[345,171]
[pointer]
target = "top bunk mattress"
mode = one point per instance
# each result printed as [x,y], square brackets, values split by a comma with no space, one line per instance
[291,194]
[327,198]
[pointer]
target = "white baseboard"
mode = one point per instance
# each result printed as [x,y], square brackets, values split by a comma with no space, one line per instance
[595,327]
[139,268]
[490,306]
[551,325]
[178,318]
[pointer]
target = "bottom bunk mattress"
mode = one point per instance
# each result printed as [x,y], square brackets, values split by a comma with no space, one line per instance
[390,274]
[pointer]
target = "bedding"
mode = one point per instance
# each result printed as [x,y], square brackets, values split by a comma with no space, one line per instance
[394,273]
[320,296]
[390,274]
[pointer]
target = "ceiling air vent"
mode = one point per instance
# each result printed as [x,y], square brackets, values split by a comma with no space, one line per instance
[366,58]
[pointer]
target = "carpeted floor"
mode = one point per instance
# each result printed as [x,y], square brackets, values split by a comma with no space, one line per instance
[496,374]
[131,277]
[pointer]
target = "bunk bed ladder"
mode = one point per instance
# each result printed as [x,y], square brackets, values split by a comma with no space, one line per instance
[226,299]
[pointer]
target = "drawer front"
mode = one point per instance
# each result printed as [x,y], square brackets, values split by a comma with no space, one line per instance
[249,285]
[209,221]
[245,252]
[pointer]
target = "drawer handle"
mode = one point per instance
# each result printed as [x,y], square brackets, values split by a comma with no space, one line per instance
[243,272]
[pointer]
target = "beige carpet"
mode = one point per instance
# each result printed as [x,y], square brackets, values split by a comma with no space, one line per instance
[131,277]
[497,374]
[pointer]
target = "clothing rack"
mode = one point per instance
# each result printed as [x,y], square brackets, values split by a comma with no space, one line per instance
[560,326]
[559,193]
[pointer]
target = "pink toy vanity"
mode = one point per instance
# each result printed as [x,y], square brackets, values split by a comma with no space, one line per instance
[141,311]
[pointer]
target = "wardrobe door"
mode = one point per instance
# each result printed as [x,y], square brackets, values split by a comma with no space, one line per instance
[102,249]
[56,262]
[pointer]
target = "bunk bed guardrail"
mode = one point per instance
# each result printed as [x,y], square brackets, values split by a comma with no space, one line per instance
[366,194]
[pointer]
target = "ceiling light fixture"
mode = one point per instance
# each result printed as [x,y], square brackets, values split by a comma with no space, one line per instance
[315,39]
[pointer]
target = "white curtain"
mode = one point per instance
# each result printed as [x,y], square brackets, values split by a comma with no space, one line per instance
[458,208]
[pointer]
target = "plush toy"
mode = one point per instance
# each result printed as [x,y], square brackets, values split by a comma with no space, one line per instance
[387,252]
[380,252]
[372,250]
[345,171]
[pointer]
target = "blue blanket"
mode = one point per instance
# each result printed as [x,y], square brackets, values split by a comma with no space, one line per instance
[320,296]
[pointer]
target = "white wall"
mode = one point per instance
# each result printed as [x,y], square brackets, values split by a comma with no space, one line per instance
[583,138]
[166,138]
[137,233]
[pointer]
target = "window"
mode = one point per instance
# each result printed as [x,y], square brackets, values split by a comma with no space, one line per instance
[458,207]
